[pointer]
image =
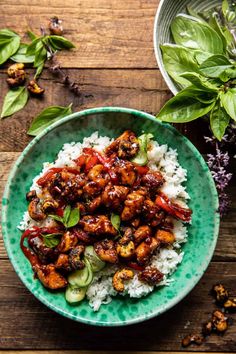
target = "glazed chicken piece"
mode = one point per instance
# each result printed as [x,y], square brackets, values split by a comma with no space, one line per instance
[97,181]
[71,261]
[97,225]
[151,275]
[152,213]
[68,241]
[50,278]
[83,236]
[133,204]
[94,204]
[63,262]
[165,237]
[125,246]
[106,251]
[152,180]
[125,171]
[67,186]
[45,254]
[114,196]
[75,257]
[125,146]
[142,233]
[146,249]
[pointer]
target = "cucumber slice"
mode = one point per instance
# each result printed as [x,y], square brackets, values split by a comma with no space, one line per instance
[81,278]
[141,158]
[74,295]
[95,262]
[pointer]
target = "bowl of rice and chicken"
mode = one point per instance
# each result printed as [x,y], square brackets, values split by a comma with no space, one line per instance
[110,217]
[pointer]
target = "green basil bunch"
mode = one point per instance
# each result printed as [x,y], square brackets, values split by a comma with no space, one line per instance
[202,62]
[37,53]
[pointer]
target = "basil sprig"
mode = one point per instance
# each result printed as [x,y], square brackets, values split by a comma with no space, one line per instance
[9,44]
[44,47]
[37,52]
[15,99]
[48,116]
[70,217]
[52,240]
[115,221]
[203,62]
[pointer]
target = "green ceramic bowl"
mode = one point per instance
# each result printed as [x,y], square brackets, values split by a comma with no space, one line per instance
[166,12]
[203,231]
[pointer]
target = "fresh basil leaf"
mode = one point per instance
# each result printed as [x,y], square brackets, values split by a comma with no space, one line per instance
[194,13]
[219,120]
[9,44]
[115,221]
[39,70]
[225,7]
[182,109]
[40,55]
[32,35]
[32,46]
[178,60]
[74,218]
[59,42]
[21,57]
[202,96]
[52,240]
[15,99]
[200,82]
[228,74]
[193,33]
[215,65]
[201,56]
[66,214]
[214,23]
[47,117]
[228,100]
[56,217]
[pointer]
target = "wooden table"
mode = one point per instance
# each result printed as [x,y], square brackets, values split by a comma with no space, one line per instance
[114,65]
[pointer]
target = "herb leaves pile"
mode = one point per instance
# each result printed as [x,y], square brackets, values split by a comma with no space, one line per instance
[203,62]
[41,49]
[70,217]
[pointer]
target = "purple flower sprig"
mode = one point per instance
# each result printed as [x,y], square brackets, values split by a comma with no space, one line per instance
[218,163]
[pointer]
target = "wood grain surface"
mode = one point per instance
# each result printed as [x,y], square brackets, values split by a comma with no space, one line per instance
[114,64]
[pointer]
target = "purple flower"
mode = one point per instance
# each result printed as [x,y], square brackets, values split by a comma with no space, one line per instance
[218,164]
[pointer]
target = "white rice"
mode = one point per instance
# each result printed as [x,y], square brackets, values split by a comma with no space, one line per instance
[166,260]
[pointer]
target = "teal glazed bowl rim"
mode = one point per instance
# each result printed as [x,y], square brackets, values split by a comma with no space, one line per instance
[171,302]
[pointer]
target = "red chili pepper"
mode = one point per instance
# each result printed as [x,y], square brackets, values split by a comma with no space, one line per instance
[27,252]
[106,162]
[48,175]
[91,161]
[81,160]
[135,266]
[31,233]
[173,209]
[142,170]
[60,212]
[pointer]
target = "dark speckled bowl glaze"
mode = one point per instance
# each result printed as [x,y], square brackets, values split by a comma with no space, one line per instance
[203,231]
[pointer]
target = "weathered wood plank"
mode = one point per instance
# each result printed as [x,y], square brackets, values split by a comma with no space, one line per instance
[35,321]
[94,352]
[115,34]
[139,89]
[226,246]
